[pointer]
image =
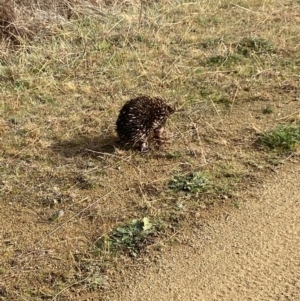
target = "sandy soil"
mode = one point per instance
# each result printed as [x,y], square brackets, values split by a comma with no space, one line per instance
[250,254]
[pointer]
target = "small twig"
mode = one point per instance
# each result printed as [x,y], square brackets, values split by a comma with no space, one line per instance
[68,286]
[21,296]
[115,156]
[140,14]
[216,132]
[261,72]
[253,127]
[244,8]
[214,106]
[115,25]
[288,116]
[72,217]
[234,97]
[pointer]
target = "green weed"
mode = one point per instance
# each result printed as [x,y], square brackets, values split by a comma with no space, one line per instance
[284,138]
[191,183]
[130,238]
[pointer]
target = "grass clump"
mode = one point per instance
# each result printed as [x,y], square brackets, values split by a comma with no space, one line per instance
[193,183]
[250,46]
[284,138]
[268,110]
[221,60]
[130,238]
[210,43]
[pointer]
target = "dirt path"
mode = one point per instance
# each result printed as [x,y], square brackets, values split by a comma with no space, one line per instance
[253,254]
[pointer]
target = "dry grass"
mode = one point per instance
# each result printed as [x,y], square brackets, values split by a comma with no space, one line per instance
[65,181]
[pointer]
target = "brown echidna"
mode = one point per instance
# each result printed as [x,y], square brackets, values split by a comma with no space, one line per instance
[139,117]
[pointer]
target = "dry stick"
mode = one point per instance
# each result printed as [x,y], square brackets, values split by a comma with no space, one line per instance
[68,286]
[173,8]
[115,156]
[139,60]
[181,133]
[114,26]
[172,65]
[140,14]
[162,179]
[233,101]
[214,129]
[72,217]
[20,296]
[247,9]
[212,102]
[288,116]
[260,72]
[194,124]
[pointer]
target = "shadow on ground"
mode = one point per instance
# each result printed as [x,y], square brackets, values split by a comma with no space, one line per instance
[86,146]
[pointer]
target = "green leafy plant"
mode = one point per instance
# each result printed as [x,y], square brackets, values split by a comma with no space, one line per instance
[131,237]
[284,138]
[193,182]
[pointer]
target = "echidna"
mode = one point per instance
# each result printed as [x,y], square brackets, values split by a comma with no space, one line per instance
[139,117]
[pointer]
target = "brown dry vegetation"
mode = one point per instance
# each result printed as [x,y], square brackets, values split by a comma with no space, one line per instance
[233,70]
